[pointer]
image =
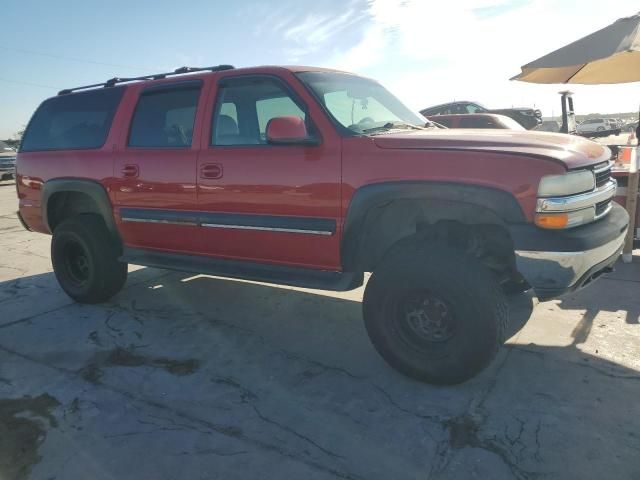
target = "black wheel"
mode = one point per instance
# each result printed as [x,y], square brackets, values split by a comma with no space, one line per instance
[515,287]
[600,129]
[434,314]
[85,260]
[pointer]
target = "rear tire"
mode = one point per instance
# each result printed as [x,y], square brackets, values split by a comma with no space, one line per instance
[85,259]
[434,313]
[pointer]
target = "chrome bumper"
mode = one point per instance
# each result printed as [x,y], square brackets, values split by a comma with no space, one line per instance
[554,273]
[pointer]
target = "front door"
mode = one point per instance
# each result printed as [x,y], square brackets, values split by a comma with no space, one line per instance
[156,169]
[267,203]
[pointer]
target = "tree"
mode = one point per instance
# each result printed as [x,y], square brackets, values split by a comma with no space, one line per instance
[15,140]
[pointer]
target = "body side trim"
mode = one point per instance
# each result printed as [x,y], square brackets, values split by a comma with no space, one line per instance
[272,223]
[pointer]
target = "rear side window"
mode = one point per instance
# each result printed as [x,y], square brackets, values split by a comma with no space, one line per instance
[164,117]
[72,122]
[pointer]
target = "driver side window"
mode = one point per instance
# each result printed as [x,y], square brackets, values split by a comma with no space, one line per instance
[244,107]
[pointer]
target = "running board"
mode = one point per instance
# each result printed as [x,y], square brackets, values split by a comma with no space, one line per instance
[258,272]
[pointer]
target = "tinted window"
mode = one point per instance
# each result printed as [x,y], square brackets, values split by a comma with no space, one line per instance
[479,122]
[455,109]
[164,118]
[275,107]
[473,108]
[442,121]
[71,122]
[244,108]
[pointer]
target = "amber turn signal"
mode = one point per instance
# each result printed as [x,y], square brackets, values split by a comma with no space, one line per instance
[552,220]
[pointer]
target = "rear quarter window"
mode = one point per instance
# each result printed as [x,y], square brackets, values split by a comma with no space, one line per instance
[72,122]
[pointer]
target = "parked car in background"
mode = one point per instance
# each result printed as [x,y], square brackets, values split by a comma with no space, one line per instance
[593,125]
[477,120]
[614,123]
[549,126]
[527,117]
[7,161]
[631,126]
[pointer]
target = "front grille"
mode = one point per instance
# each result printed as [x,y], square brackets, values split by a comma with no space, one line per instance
[602,207]
[602,173]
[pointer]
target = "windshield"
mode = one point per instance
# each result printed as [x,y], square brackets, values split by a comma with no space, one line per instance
[360,104]
[511,124]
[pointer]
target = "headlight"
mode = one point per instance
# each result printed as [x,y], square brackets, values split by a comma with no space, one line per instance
[560,220]
[568,184]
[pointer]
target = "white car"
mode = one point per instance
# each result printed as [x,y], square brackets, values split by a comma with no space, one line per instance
[594,125]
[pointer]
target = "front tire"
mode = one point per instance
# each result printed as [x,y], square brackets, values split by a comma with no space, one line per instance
[434,313]
[85,259]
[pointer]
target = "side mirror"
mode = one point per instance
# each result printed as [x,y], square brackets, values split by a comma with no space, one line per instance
[289,131]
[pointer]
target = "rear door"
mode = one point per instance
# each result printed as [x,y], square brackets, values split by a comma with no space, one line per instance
[155,171]
[268,203]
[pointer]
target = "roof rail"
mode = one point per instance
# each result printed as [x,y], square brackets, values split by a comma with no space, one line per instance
[156,76]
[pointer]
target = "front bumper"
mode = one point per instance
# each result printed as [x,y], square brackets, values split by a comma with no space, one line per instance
[558,262]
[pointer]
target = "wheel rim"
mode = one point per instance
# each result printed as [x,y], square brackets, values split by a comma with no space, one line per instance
[76,263]
[424,318]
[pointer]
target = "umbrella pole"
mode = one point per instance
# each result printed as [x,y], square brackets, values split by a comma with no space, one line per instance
[632,203]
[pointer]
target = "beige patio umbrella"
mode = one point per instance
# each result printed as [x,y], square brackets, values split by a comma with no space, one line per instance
[610,55]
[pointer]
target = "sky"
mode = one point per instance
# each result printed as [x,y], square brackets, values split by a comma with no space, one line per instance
[425,51]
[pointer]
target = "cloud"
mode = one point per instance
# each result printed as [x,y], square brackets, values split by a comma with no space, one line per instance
[307,31]
[499,8]
[468,49]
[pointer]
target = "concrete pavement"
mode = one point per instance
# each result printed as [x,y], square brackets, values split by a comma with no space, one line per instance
[196,377]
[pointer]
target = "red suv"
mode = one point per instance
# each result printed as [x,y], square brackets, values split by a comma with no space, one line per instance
[312,177]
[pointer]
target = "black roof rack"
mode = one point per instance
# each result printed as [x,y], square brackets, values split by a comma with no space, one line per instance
[156,76]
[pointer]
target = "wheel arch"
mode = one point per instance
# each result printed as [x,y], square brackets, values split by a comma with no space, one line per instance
[64,196]
[380,215]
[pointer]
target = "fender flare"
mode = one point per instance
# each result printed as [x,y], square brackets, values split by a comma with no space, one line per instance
[91,188]
[413,202]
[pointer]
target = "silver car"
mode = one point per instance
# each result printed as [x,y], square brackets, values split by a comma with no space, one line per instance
[7,161]
[592,125]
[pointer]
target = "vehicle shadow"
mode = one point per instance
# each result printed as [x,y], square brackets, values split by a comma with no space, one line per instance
[240,349]
[615,293]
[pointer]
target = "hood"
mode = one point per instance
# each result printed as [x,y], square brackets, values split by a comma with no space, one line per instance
[571,150]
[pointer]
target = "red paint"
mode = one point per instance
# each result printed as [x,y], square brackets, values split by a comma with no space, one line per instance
[283,129]
[289,180]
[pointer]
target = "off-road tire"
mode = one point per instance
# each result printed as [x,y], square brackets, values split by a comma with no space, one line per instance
[85,259]
[515,287]
[478,312]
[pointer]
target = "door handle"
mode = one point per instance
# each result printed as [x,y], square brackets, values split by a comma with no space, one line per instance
[211,171]
[130,171]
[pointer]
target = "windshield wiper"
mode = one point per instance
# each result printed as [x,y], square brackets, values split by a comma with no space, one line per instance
[392,125]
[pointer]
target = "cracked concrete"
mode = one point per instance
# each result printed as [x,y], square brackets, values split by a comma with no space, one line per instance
[183,376]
